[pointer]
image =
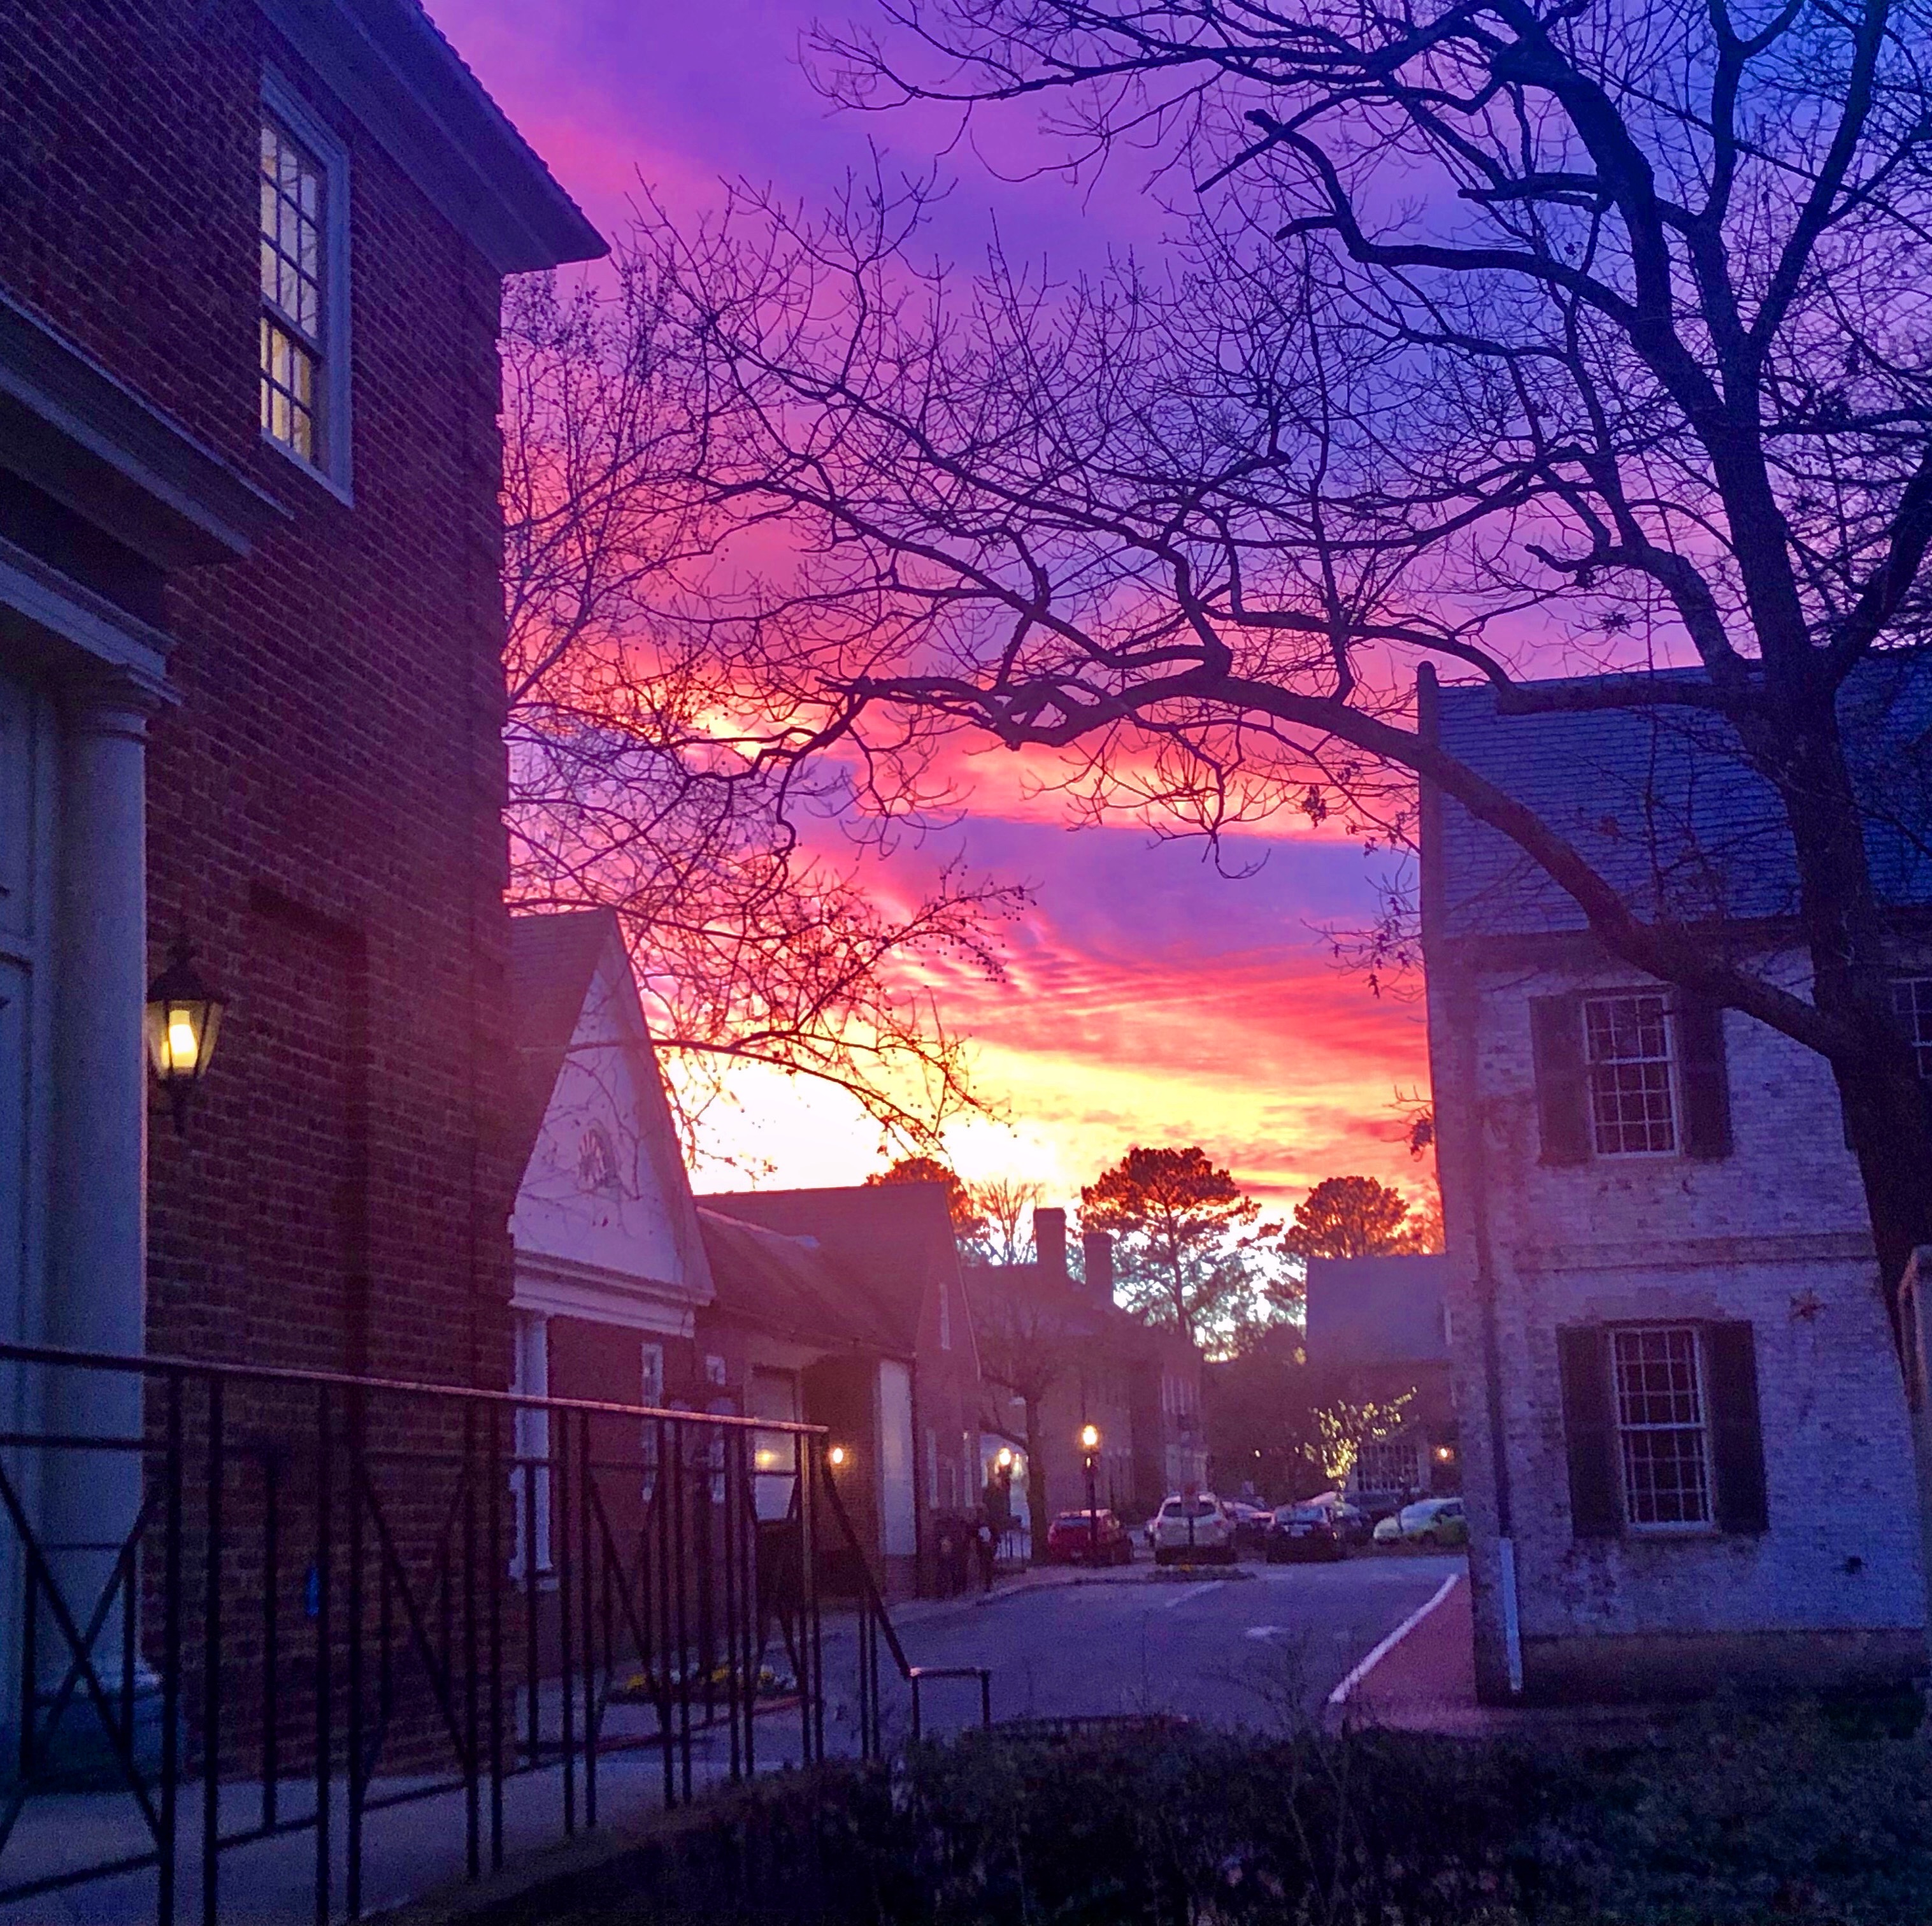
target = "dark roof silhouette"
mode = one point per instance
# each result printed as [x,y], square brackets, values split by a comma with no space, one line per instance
[892,1241]
[1376,1310]
[1661,801]
[786,1286]
[553,959]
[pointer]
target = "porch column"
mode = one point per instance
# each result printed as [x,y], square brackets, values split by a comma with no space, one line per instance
[97,1243]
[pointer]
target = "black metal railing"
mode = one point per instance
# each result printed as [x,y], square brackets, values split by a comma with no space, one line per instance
[256,1604]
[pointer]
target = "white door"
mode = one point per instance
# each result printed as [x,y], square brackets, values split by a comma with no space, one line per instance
[897,1495]
[21,748]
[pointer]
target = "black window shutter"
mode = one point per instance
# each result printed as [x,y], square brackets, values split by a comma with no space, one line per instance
[1705,1078]
[1589,1434]
[1737,1438]
[1562,1095]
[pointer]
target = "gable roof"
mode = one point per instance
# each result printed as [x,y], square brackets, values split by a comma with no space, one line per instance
[1663,803]
[553,959]
[1376,1310]
[893,1240]
[388,64]
[783,1285]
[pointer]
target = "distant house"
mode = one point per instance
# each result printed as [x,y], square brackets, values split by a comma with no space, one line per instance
[609,1266]
[1377,1329]
[891,1366]
[1685,1437]
[1139,1386]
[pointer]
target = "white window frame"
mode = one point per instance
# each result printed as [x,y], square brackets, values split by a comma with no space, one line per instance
[1672,1088]
[280,102]
[1911,1003]
[1621,1335]
[651,1394]
[529,1374]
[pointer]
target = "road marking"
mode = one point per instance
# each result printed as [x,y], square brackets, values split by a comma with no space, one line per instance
[1263,1631]
[1394,1638]
[1192,1592]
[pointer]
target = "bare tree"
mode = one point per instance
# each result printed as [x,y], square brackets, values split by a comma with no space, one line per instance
[1027,1344]
[1005,1206]
[1512,335]
[755,940]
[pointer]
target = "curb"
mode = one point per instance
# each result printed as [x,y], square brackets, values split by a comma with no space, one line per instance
[1340,1697]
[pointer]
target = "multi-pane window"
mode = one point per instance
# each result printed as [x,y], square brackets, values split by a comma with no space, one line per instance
[1912,1001]
[1389,1464]
[1663,1442]
[294,239]
[1626,1048]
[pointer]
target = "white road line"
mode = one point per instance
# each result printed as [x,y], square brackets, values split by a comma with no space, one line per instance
[1192,1592]
[1394,1638]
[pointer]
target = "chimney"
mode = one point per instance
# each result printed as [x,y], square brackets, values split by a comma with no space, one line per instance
[1049,1243]
[1096,1248]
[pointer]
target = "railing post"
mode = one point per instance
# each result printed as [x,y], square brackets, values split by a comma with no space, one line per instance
[325,1680]
[171,1663]
[472,1790]
[212,1667]
[359,1474]
[497,1576]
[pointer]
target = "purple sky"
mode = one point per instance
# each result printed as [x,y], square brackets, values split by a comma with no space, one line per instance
[1151,1000]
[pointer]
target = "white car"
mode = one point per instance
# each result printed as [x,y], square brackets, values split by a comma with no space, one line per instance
[1190,1531]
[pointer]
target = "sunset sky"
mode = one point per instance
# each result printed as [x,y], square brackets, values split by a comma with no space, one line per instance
[1150,998]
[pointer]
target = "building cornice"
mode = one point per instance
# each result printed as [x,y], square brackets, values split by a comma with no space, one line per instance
[563,1287]
[1727,1253]
[47,615]
[73,431]
[385,60]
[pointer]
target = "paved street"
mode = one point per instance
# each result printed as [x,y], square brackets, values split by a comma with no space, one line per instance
[1237,1651]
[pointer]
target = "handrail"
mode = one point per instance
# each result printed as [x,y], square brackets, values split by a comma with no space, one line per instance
[873,1614]
[276,1374]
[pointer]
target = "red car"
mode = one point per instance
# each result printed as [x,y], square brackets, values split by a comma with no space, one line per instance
[1083,1537]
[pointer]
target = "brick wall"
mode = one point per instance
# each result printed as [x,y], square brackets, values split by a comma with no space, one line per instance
[325,802]
[1775,1235]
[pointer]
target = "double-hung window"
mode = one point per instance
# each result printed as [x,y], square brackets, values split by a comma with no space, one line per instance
[302,187]
[1627,1049]
[1663,1435]
[1911,1002]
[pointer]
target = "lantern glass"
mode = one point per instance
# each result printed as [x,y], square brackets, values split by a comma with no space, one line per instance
[184,1019]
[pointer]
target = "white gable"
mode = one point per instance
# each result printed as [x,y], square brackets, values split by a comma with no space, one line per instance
[604,1225]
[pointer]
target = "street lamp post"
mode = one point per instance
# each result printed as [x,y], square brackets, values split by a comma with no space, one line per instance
[1090,1445]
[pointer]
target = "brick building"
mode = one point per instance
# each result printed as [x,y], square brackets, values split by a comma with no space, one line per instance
[1377,1330]
[250,692]
[1684,1434]
[832,1307]
[909,1397]
[1138,1385]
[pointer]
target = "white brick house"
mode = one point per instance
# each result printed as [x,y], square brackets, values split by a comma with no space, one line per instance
[1685,1439]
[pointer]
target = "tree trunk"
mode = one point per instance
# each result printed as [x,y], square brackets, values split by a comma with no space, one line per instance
[1853,965]
[1039,1517]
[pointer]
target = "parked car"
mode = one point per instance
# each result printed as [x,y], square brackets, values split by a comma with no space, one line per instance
[1309,1531]
[1251,1524]
[1082,1538]
[1430,1521]
[1196,1530]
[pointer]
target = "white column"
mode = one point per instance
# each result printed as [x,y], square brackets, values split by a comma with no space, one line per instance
[97,1243]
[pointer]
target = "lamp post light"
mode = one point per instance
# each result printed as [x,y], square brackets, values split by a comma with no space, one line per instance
[1090,1445]
[183,1019]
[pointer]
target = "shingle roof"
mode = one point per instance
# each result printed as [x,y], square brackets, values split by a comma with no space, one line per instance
[784,1284]
[1662,802]
[1376,1310]
[553,959]
[893,1240]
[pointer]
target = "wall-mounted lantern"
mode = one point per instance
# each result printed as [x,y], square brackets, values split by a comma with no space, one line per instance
[183,1020]
[836,1457]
